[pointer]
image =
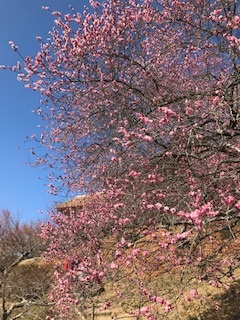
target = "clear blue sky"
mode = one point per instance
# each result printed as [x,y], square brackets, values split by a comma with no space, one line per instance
[22,188]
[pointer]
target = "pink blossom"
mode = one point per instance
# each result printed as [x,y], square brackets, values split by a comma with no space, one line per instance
[118,205]
[13,46]
[118,253]
[158,205]
[189,111]
[193,293]
[150,206]
[228,200]
[237,205]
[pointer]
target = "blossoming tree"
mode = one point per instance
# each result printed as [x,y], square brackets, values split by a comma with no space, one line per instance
[142,110]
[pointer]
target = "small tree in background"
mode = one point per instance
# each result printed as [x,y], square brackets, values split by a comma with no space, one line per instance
[141,100]
[24,282]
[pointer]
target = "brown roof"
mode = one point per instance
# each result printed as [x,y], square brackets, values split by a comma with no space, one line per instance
[76,202]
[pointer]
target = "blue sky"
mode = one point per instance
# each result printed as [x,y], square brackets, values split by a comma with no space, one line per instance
[22,188]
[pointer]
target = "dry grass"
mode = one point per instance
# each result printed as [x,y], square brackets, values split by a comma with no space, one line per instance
[211,303]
